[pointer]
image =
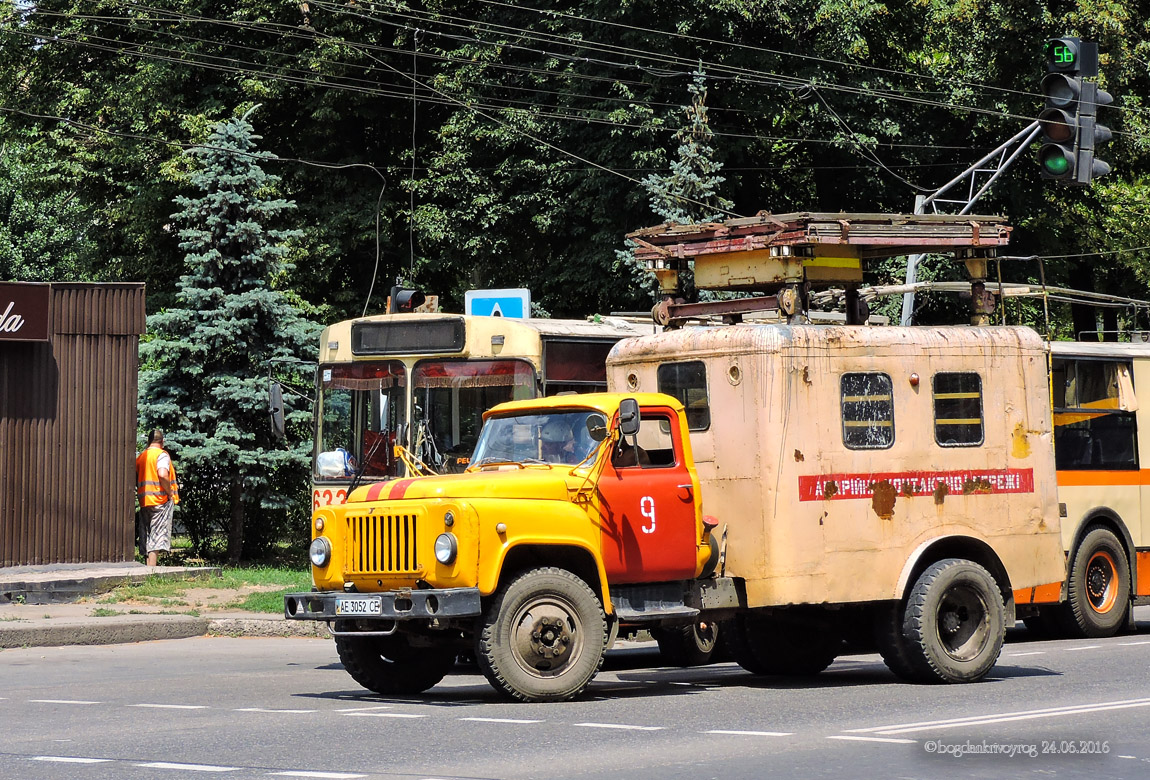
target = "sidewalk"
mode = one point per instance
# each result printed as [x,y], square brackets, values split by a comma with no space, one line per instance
[46,606]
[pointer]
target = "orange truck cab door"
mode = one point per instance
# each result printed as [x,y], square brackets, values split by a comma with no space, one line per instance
[648,504]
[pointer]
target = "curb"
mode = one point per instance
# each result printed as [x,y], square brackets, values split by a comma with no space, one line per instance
[261,627]
[102,631]
[62,589]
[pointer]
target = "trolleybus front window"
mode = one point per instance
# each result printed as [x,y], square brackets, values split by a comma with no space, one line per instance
[361,408]
[450,399]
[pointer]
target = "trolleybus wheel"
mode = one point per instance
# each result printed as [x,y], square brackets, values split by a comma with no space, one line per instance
[1098,587]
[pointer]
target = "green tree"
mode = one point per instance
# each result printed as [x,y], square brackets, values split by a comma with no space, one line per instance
[207,358]
[689,194]
[45,229]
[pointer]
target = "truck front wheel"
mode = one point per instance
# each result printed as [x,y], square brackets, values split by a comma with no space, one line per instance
[543,637]
[390,665]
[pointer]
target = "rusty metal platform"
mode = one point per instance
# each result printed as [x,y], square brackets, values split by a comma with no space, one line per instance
[786,255]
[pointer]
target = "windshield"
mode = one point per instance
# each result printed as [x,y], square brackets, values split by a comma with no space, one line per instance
[562,436]
[450,399]
[361,407]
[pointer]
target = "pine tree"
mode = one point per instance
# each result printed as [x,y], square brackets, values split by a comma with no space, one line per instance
[206,362]
[689,193]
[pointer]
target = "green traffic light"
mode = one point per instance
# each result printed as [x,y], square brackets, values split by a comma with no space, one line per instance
[1055,163]
[1063,55]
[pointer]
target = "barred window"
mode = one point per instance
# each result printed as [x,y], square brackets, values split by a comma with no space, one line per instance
[868,411]
[688,382]
[958,410]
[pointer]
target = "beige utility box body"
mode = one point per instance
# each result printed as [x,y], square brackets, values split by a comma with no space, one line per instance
[837,457]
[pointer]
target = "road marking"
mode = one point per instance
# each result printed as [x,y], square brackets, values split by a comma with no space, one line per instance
[1131,644]
[501,720]
[619,726]
[61,701]
[751,733]
[331,775]
[876,739]
[1019,655]
[261,709]
[981,720]
[189,767]
[1133,757]
[172,706]
[1085,647]
[367,709]
[384,715]
[71,759]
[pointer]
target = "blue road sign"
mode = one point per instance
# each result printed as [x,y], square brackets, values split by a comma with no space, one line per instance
[498,303]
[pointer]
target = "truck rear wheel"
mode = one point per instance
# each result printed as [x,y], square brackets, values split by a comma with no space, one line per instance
[954,624]
[763,646]
[1098,587]
[693,645]
[543,637]
[390,665]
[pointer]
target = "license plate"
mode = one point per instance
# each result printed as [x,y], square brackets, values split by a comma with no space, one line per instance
[371,605]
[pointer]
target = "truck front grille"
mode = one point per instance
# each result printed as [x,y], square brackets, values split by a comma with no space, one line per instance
[382,544]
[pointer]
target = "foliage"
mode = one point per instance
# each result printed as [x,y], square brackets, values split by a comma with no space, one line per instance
[515,141]
[45,232]
[208,362]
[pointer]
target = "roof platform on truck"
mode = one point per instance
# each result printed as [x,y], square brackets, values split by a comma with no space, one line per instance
[784,255]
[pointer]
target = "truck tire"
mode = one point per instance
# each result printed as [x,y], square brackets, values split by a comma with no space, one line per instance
[693,645]
[391,666]
[892,645]
[736,638]
[1097,588]
[954,624]
[543,637]
[781,648]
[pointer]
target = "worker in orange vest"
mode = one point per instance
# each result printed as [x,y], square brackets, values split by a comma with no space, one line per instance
[158,492]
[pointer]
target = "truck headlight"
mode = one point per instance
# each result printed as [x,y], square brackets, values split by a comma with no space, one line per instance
[446,547]
[320,552]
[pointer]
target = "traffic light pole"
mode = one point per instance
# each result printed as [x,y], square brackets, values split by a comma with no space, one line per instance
[1022,139]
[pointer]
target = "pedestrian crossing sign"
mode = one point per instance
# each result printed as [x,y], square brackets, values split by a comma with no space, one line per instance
[498,303]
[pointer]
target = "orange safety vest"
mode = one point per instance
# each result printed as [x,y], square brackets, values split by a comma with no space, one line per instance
[148,488]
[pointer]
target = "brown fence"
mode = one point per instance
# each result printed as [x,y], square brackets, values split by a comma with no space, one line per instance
[68,423]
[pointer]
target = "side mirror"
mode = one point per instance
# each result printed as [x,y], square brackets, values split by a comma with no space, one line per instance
[596,427]
[276,410]
[628,417]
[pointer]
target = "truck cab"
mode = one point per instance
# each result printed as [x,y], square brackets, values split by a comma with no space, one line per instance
[578,514]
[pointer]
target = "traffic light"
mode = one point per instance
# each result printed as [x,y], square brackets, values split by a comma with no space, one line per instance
[404,300]
[1068,121]
[1058,120]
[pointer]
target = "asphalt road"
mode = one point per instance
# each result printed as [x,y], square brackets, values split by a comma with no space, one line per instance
[248,708]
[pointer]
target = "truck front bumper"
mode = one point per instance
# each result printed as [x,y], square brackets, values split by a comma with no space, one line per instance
[390,605]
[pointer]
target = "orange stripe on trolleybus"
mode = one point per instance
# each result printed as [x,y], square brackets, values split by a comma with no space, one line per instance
[1130,478]
[1143,585]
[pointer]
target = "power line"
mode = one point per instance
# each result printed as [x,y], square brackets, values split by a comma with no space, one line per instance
[180,56]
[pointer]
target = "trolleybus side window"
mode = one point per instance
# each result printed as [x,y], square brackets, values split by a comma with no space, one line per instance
[958,409]
[868,411]
[688,382]
[1094,421]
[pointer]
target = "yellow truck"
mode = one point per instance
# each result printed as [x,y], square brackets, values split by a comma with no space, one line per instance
[807,485]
